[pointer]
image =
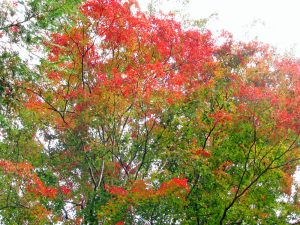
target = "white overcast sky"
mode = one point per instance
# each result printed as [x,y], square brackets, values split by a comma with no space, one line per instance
[276,22]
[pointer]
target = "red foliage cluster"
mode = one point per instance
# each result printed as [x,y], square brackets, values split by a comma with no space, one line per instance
[220,117]
[287,100]
[139,189]
[33,182]
[167,60]
[176,184]
[251,93]
[203,153]
[65,190]
[114,190]
[120,223]
[36,186]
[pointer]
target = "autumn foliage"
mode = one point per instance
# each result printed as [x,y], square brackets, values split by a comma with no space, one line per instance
[135,119]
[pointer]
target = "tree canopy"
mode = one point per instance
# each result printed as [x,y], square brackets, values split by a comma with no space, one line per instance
[132,118]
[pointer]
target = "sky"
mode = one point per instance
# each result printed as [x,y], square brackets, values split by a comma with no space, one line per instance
[276,22]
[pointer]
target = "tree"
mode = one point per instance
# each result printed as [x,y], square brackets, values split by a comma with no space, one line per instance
[22,26]
[133,119]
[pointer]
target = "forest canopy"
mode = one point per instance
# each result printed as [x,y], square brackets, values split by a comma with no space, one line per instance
[110,115]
